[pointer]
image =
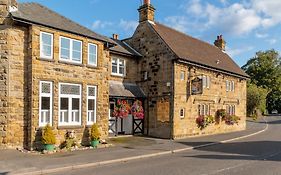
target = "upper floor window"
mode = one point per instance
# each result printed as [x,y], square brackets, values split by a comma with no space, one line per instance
[69,104]
[206,81]
[92,54]
[46,45]
[118,67]
[91,104]
[203,109]
[182,75]
[230,86]
[45,103]
[70,50]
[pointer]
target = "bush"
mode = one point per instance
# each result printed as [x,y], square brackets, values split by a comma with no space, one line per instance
[232,119]
[95,133]
[204,121]
[48,137]
[220,114]
[256,100]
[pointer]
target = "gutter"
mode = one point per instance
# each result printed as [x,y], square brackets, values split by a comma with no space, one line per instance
[108,44]
[184,61]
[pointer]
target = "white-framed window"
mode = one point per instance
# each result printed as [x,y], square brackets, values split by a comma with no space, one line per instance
[45,103]
[182,75]
[46,45]
[230,109]
[69,104]
[118,66]
[230,86]
[203,109]
[70,50]
[91,104]
[206,81]
[182,113]
[92,54]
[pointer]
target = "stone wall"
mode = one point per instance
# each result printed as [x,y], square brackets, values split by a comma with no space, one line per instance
[216,96]
[63,72]
[132,70]
[157,63]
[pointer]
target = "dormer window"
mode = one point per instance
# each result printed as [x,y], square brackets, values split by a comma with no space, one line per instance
[46,45]
[118,67]
[70,50]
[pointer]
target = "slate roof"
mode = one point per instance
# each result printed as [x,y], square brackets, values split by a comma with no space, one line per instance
[196,51]
[123,48]
[119,89]
[37,14]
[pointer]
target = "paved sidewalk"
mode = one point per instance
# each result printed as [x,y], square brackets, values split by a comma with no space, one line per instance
[14,162]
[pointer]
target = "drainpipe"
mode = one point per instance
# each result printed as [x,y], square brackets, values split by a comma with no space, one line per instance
[172,103]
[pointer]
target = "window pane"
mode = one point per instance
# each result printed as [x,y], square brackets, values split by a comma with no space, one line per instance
[114,69]
[91,104]
[46,39]
[64,103]
[45,103]
[121,70]
[65,53]
[76,56]
[70,89]
[75,103]
[77,46]
[121,62]
[47,50]
[91,91]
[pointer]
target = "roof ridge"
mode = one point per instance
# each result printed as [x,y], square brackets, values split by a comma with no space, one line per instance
[64,17]
[188,35]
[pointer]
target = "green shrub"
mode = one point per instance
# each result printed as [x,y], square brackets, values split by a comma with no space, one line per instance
[48,137]
[95,133]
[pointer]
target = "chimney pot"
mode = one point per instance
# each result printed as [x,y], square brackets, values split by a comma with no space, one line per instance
[146,2]
[115,36]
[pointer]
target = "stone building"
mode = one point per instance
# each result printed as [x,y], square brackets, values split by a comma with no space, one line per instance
[53,70]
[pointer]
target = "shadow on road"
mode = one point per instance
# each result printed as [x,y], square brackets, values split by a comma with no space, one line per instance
[4,173]
[257,150]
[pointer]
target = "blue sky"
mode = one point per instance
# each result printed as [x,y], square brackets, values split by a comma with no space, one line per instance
[248,26]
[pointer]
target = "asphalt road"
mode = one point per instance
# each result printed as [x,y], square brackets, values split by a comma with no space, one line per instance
[257,155]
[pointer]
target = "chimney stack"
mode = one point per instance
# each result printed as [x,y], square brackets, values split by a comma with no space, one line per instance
[7,6]
[146,12]
[115,36]
[220,43]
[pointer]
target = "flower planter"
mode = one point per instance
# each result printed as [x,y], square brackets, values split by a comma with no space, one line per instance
[94,143]
[49,147]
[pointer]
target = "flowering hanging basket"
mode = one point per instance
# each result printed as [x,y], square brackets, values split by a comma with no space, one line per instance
[137,110]
[121,109]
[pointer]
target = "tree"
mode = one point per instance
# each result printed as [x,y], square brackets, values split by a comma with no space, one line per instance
[256,99]
[265,72]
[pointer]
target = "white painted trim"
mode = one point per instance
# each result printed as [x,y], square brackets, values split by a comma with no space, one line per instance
[70,97]
[118,67]
[92,98]
[50,95]
[41,46]
[90,44]
[70,50]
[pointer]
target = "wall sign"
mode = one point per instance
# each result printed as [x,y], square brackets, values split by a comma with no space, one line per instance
[197,86]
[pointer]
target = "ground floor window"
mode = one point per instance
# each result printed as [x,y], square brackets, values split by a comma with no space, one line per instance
[69,104]
[203,109]
[230,109]
[45,103]
[91,104]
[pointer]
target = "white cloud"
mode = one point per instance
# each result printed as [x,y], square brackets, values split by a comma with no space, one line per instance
[238,51]
[261,35]
[98,24]
[195,7]
[272,41]
[177,22]
[128,25]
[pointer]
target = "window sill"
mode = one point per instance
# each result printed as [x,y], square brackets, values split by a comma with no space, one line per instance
[116,75]
[92,66]
[71,63]
[46,59]
[70,127]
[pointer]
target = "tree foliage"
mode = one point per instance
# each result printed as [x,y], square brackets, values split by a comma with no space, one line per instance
[265,72]
[256,99]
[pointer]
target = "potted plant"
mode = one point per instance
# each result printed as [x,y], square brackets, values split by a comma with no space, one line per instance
[95,135]
[48,138]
